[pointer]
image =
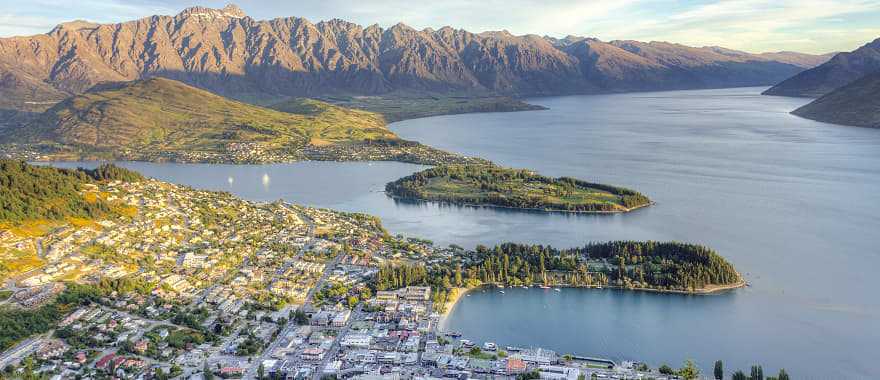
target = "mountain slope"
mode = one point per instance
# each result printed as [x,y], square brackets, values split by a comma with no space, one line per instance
[160,119]
[840,70]
[164,116]
[263,61]
[857,104]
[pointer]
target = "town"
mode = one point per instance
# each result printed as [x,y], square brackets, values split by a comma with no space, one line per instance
[199,285]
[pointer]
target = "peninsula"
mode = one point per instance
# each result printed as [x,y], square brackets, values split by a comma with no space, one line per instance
[494,186]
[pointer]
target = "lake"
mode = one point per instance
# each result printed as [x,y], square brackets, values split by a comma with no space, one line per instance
[792,203]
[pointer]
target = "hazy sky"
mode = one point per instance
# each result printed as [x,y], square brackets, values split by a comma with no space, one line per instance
[814,26]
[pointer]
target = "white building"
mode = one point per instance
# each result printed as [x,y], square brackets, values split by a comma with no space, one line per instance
[356,341]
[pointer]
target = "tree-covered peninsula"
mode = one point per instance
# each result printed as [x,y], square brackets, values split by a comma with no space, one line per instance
[490,185]
[648,265]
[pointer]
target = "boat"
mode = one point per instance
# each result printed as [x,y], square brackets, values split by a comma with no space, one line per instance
[501,291]
[544,287]
[453,334]
[513,349]
[557,289]
[489,346]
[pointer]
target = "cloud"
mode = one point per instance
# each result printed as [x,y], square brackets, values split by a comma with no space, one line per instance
[760,25]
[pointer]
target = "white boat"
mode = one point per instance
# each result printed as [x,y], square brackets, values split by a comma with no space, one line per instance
[557,289]
[489,346]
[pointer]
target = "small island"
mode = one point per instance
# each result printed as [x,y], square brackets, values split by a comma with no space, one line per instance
[494,186]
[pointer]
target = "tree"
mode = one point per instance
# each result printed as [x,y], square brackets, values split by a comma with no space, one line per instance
[689,371]
[757,373]
[739,375]
[666,370]
[300,317]
[260,371]
[206,372]
[782,375]
[719,370]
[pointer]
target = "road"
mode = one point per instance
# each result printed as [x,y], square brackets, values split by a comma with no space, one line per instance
[251,373]
[21,350]
[334,349]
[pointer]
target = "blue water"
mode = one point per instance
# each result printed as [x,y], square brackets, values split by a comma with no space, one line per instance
[792,203]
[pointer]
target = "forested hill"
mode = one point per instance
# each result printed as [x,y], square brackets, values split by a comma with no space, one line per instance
[30,192]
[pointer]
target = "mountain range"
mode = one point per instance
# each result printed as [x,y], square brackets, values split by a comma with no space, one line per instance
[266,61]
[840,70]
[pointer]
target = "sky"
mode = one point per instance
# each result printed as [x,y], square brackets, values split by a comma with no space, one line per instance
[810,26]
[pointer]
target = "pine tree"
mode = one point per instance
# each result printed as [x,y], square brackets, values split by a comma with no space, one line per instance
[719,370]
[757,373]
[782,375]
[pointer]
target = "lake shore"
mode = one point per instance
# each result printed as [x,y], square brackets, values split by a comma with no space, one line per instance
[452,300]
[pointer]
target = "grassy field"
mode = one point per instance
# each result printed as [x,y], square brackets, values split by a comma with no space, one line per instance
[14,262]
[396,107]
[495,186]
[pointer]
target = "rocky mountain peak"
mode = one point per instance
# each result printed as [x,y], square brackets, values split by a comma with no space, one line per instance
[230,11]
[75,25]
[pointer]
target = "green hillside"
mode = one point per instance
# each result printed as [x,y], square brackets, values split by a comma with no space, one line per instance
[162,117]
[402,106]
[29,192]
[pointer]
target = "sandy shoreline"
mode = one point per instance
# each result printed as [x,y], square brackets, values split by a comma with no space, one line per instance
[452,300]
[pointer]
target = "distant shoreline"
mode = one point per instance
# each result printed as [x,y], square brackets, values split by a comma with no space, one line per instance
[544,210]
